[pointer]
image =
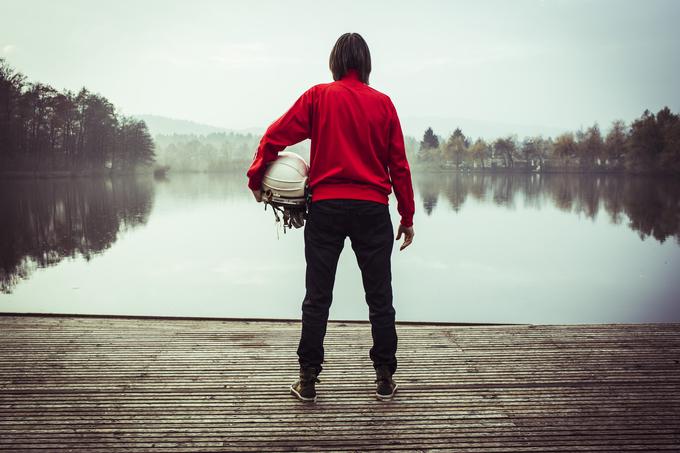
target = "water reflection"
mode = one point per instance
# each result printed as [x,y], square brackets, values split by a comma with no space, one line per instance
[489,248]
[43,222]
[652,207]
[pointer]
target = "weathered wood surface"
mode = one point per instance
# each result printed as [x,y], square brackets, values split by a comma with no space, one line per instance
[110,384]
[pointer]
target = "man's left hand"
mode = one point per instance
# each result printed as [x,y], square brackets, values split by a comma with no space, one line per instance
[257,194]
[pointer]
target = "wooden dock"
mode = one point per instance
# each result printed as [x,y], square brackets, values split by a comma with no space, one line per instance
[128,385]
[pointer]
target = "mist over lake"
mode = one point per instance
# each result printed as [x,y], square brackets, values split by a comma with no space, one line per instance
[506,248]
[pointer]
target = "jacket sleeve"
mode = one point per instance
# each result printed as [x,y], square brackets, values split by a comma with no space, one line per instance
[292,127]
[399,169]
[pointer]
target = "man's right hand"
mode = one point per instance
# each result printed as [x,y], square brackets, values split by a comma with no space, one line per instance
[408,236]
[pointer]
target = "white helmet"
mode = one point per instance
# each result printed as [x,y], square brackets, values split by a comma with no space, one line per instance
[285,181]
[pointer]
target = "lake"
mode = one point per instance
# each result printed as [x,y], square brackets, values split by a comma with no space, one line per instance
[489,248]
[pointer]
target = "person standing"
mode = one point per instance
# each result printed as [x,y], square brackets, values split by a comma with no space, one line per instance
[357,157]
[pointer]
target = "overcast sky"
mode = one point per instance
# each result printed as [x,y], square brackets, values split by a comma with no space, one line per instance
[241,64]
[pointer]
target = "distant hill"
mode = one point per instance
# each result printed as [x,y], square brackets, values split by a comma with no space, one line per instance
[162,125]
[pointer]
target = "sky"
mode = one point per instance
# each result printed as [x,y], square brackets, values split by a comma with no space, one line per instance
[525,65]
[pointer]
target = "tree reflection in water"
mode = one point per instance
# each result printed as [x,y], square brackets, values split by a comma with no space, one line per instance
[43,222]
[652,206]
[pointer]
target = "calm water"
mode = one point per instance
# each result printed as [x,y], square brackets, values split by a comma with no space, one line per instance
[488,248]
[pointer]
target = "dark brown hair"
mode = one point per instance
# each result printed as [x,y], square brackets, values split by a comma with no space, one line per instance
[350,51]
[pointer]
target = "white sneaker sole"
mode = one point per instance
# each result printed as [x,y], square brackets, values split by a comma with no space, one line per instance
[387,397]
[300,397]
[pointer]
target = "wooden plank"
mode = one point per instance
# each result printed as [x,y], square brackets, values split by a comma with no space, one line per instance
[141,384]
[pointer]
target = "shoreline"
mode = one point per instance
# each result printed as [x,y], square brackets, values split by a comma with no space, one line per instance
[552,171]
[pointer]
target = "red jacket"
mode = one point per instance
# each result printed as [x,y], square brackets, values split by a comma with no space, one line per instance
[357,148]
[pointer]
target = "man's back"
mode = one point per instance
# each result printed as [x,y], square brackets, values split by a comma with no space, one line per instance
[350,140]
[357,149]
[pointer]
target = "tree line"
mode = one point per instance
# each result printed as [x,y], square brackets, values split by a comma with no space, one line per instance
[650,143]
[45,130]
[224,151]
[214,152]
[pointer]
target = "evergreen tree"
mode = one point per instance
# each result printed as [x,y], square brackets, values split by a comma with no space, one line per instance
[428,146]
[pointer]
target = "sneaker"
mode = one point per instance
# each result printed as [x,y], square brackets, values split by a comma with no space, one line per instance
[304,388]
[386,387]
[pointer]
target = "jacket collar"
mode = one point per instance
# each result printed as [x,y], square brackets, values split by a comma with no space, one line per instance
[351,74]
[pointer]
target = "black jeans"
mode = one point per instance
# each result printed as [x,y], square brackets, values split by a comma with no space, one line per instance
[369,227]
